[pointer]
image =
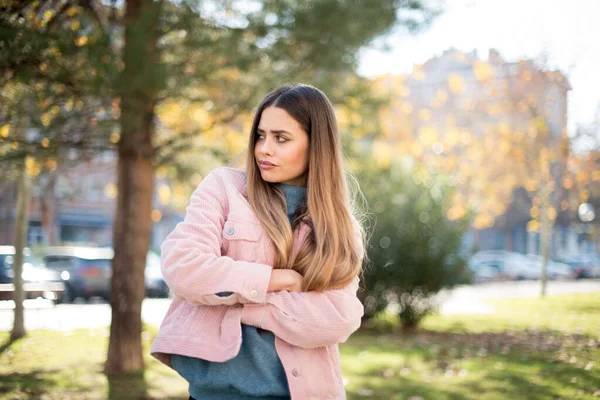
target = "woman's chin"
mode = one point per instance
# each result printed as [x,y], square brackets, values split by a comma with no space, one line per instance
[268,177]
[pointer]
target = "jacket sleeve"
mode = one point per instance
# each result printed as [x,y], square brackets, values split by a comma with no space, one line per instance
[308,319]
[191,260]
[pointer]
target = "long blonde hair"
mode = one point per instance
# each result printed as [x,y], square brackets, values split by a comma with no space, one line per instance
[331,256]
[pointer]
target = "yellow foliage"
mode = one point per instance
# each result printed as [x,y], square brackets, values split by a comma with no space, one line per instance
[47,16]
[441,95]
[483,70]
[552,213]
[540,125]
[404,91]
[456,212]
[533,226]
[424,114]
[596,175]
[51,164]
[582,177]
[428,134]
[4,131]
[406,108]
[81,41]
[503,128]
[505,146]
[75,25]
[452,136]
[161,172]
[156,215]
[456,83]
[73,11]
[466,138]
[418,73]
[352,102]
[164,194]
[584,195]
[483,221]
[179,191]
[115,137]
[496,205]
[45,142]
[382,153]
[110,191]
[531,185]
[534,212]
[46,118]
[416,149]
[32,167]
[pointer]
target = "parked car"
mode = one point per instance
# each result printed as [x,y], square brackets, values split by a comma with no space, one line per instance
[85,270]
[507,265]
[511,265]
[556,270]
[483,271]
[155,283]
[583,265]
[88,271]
[38,281]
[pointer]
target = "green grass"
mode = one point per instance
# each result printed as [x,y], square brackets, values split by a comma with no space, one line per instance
[529,349]
[572,313]
[59,365]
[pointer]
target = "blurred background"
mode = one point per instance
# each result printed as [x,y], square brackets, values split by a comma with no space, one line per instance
[471,127]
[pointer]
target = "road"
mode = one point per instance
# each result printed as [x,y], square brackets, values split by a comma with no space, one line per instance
[43,314]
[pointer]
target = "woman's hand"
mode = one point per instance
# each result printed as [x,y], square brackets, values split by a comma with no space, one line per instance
[285,279]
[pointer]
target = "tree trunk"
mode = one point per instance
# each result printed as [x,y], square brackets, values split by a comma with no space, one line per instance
[20,240]
[132,225]
[545,232]
[48,210]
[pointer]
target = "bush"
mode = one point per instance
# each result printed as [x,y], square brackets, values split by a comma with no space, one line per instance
[414,249]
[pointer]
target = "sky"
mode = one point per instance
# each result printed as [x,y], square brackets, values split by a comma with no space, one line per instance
[568,32]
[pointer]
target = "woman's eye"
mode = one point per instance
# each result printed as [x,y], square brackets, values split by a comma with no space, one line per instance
[259,137]
[281,139]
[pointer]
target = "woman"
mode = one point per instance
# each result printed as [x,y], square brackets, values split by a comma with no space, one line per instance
[264,268]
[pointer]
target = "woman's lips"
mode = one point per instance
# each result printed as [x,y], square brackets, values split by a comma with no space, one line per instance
[266,165]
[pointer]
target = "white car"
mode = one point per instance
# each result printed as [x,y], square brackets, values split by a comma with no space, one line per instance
[511,265]
[583,265]
[556,270]
[493,264]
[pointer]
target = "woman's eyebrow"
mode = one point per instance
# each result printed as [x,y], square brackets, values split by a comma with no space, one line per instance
[277,131]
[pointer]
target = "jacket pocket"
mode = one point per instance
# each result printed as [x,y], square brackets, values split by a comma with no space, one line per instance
[241,240]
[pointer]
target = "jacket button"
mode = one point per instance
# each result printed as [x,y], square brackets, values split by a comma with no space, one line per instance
[230,230]
[254,293]
[296,373]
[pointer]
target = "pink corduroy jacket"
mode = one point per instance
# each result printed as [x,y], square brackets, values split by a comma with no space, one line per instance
[221,247]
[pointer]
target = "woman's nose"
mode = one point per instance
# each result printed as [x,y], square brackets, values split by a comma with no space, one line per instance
[266,147]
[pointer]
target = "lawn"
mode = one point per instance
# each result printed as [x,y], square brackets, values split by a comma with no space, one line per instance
[529,349]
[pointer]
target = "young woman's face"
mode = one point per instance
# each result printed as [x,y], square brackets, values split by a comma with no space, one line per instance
[281,150]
